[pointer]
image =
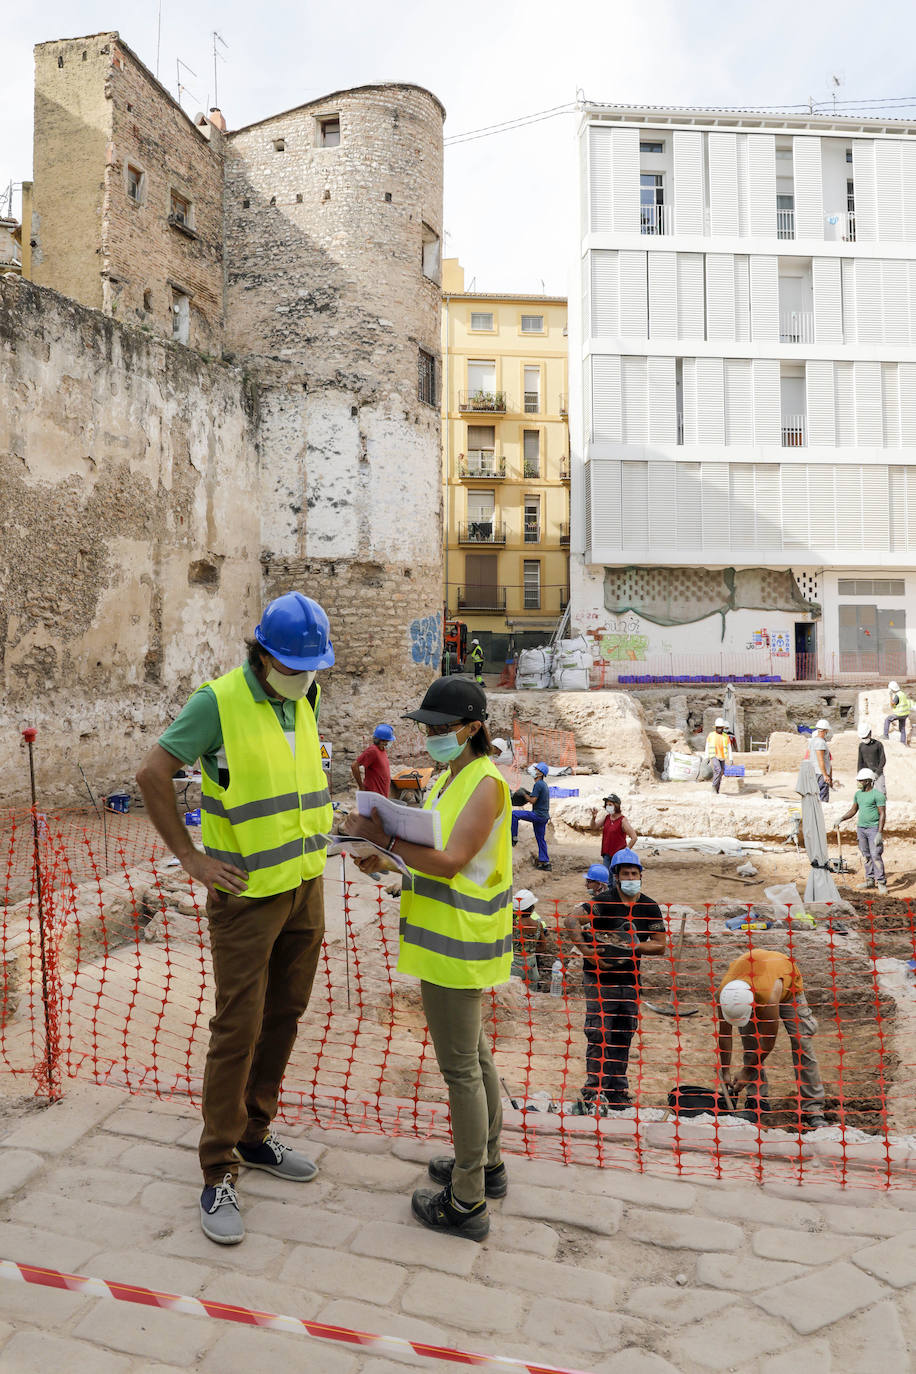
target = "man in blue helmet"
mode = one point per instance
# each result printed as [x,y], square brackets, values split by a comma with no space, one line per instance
[612,932]
[265,807]
[539,801]
[376,774]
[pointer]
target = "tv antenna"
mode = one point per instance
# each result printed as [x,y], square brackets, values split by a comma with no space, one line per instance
[181,87]
[217,57]
[836,82]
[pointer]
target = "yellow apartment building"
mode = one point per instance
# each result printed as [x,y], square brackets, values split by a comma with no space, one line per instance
[505,443]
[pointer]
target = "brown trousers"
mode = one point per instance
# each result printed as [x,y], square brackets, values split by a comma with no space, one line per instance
[264,955]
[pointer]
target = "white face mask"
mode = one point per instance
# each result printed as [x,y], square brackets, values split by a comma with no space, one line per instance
[292,686]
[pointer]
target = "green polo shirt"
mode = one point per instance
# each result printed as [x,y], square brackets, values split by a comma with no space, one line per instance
[196,733]
[868,804]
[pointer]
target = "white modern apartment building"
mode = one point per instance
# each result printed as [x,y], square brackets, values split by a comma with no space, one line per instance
[743,394]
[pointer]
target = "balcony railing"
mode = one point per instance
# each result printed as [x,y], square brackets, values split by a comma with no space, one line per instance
[796,326]
[564,535]
[785,224]
[532,402]
[481,598]
[850,235]
[564,405]
[656,219]
[794,433]
[531,599]
[531,467]
[564,469]
[532,533]
[482,532]
[481,463]
[487,402]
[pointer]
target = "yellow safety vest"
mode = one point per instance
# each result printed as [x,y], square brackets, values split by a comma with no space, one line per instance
[456,933]
[269,819]
[903,704]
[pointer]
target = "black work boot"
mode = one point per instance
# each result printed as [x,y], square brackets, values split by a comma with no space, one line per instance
[495,1178]
[439,1213]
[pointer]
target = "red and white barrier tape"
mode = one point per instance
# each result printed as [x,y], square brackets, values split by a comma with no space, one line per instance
[200,1307]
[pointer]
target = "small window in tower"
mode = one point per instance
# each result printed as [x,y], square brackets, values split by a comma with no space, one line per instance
[298,197]
[279,145]
[180,210]
[134,183]
[60,61]
[426,380]
[147,299]
[329,131]
[246,203]
[181,316]
[431,263]
[387,197]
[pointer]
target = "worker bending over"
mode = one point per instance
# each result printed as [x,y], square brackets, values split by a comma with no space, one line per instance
[539,801]
[376,774]
[871,807]
[719,751]
[758,991]
[900,711]
[616,830]
[612,931]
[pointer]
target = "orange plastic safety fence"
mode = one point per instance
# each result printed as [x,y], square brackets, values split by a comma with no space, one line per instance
[536,743]
[131,995]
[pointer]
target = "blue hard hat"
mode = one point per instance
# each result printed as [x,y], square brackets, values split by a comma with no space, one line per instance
[542,768]
[626,856]
[597,873]
[296,632]
[383,732]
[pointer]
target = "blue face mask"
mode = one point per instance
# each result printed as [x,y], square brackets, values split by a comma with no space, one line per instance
[444,748]
[631,887]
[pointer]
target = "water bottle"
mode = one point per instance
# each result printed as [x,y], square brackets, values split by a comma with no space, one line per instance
[556,979]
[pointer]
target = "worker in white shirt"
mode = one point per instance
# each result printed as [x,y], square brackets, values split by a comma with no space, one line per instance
[719,751]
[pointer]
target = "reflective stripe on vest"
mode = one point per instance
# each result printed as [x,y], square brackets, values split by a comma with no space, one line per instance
[903,705]
[270,820]
[457,933]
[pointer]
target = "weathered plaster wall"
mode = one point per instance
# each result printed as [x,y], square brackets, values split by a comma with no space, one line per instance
[131,536]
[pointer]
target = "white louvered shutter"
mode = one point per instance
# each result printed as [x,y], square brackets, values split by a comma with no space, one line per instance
[606,418]
[849,498]
[844,404]
[767,407]
[688,182]
[741,509]
[626,181]
[633,296]
[739,401]
[585,294]
[863,172]
[911,283]
[662,504]
[714,485]
[907,389]
[768,507]
[601,177]
[634,495]
[603,485]
[662,295]
[888,190]
[869,327]
[895,301]
[764,298]
[723,184]
[911,509]
[828,305]
[691,307]
[869,426]
[744,215]
[605,320]
[710,401]
[795,522]
[761,174]
[809,187]
[635,400]
[876,533]
[720,296]
[742,298]
[848,295]
[908,188]
[820,404]
[689,506]
[896,480]
[689,399]
[822,491]
[662,401]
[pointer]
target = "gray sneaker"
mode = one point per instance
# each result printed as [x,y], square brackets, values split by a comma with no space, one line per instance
[220,1218]
[275,1158]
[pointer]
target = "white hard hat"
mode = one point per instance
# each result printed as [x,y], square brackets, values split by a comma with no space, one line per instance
[720,721]
[864,730]
[823,724]
[475,641]
[501,745]
[893,686]
[524,900]
[865,775]
[736,1000]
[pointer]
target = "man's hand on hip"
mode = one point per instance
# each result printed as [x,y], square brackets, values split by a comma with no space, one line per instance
[212,871]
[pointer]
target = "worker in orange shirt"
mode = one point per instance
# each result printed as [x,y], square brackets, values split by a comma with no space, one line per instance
[758,991]
[719,750]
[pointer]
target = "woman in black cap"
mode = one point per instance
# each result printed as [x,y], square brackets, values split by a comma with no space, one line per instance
[456,937]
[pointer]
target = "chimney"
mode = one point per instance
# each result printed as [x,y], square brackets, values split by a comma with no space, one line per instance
[216,118]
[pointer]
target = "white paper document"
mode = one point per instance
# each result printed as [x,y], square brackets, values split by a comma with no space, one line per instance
[409,823]
[361,849]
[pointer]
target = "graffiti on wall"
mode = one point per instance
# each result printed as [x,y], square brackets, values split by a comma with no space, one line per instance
[426,640]
[623,640]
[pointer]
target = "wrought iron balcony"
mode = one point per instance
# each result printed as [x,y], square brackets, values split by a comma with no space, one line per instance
[531,467]
[564,535]
[482,599]
[482,532]
[564,405]
[532,532]
[564,469]
[486,402]
[481,463]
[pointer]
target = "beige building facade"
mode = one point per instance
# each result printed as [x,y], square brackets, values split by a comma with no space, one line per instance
[505,463]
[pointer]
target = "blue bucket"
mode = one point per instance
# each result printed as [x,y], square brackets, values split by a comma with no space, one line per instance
[118,801]
[192,817]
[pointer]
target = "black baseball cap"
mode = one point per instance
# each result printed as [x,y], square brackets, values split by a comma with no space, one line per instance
[448,699]
[612,796]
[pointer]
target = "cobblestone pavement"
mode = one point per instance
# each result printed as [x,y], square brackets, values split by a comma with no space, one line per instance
[603,1270]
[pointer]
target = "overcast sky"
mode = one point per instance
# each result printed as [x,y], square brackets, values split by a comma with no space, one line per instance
[509,199]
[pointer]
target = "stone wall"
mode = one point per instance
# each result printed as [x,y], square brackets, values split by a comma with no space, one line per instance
[131,536]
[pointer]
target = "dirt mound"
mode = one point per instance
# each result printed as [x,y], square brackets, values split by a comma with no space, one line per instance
[609,727]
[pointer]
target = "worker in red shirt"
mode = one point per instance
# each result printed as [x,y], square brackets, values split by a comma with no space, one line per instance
[616,831]
[374,760]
